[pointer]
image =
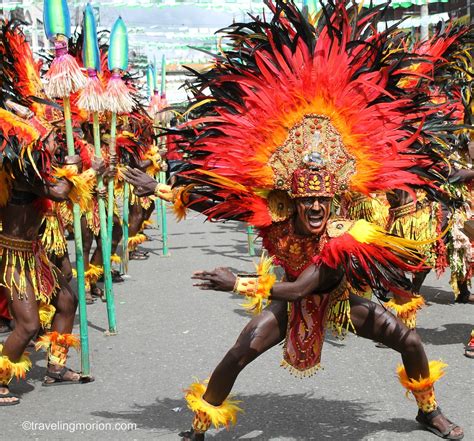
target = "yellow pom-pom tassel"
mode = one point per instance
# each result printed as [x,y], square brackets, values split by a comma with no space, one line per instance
[222,415]
[46,314]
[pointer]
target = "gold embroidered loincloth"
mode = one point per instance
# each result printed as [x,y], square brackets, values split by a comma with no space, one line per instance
[25,262]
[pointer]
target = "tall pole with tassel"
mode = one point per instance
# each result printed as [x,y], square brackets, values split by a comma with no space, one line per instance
[92,99]
[153,94]
[162,174]
[63,78]
[119,101]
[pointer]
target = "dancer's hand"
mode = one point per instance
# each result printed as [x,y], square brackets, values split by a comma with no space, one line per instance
[144,184]
[98,165]
[219,279]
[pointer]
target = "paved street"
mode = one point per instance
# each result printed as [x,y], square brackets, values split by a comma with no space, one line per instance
[170,332]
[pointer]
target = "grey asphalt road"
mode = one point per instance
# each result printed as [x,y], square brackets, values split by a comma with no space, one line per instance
[170,332]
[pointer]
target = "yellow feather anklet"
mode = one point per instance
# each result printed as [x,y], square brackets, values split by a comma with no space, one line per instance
[406,310]
[57,346]
[207,414]
[9,369]
[423,389]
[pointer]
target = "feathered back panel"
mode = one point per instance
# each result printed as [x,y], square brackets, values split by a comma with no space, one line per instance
[277,73]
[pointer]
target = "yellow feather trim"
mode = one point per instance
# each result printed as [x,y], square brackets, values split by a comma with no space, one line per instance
[83,185]
[222,415]
[53,239]
[266,279]
[134,241]
[436,372]
[180,202]
[408,307]
[147,223]
[8,369]
[46,313]
[66,340]
[366,232]
[115,258]
[93,273]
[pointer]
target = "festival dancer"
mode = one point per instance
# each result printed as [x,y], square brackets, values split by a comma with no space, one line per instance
[279,133]
[38,294]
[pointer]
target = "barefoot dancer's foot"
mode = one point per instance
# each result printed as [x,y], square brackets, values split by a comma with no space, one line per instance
[6,398]
[438,424]
[191,435]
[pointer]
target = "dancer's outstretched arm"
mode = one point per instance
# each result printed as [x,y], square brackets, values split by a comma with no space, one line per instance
[313,280]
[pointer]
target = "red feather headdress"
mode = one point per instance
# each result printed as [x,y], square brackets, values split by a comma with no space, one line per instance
[293,109]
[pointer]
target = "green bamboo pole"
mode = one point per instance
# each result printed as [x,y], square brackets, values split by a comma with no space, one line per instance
[125,216]
[81,280]
[106,250]
[164,224]
[110,187]
[162,175]
[251,239]
[159,208]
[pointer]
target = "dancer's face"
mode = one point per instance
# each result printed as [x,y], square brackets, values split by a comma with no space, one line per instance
[312,214]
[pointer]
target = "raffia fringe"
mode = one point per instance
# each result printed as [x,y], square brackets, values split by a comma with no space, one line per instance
[339,318]
[8,369]
[53,238]
[370,209]
[19,254]
[223,415]
[92,97]
[117,96]
[300,374]
[64,77]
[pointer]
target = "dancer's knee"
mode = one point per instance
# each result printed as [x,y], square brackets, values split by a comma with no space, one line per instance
[412,342]
[242,355]
[28,329]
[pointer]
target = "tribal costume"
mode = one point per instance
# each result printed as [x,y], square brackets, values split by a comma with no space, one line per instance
[26,159]
[295,112]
